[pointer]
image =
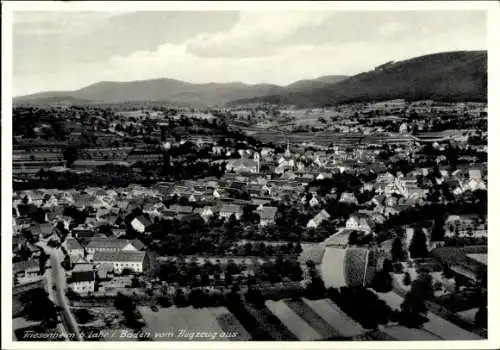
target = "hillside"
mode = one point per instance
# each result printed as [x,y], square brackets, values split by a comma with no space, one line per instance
[159,90]
[174,91]
[310,84]
[451,76]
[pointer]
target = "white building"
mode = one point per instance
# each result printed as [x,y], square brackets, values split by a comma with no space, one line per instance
[108,245]
[140,224]
[318,219]
[82,282]
[133,260]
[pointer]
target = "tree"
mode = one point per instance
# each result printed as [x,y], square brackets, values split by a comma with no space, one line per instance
[124,303]
[180,299]
[437,233]
[407,279]
[70,155]
[38,306]
[397,250]
[382,281]
[353,238]
[413,307]
[83,316]
[418,244]
[315,289]
[481,318]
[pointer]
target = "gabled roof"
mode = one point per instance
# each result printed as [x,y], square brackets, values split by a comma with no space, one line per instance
[268,213]
[107,242]
[121,256]
[31,264]
[82,276]
[72,244]
[142,219]
[138,244]
[231,208]
[180,208]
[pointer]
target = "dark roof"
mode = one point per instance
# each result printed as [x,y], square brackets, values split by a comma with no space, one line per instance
[138,244]
[82,276]
[107,242]
[267,213]
[231,208]
[72,243]
[25,265]
[121,256]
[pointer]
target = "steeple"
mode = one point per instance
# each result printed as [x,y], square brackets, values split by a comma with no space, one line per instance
[287,152]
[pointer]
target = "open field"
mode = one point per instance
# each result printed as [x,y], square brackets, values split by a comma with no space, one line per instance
[271,323]
[292,321]
[335,317]
[313,319]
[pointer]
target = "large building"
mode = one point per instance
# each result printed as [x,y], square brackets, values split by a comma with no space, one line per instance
[134,261]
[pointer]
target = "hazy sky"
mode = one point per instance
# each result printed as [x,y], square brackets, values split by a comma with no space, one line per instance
[69,50]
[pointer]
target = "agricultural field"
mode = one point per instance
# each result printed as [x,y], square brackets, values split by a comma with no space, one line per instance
[175,324]
[355,266]
[405,333]
[292,321]
[335,317]
[312,318]
[270,323]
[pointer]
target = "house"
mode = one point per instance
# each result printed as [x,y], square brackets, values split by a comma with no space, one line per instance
[359,222]
[267,215]
[44,229]
[26,271]
[50,201]
[179,211]
[137,243]
[75,250]
[82,282]
[318,219]
[35,197]
[118,231]
[385,178]
[378,200]
[313,202]
[206,212]
[475,174]
[140,224]
[82,201]
[154,209]
[135,261]
[231,209]
[348,197]
[243,165]
[105,244]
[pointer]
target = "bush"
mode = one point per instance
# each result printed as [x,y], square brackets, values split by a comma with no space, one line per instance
[398,268]
[407,279]
[83,316]
[164,301]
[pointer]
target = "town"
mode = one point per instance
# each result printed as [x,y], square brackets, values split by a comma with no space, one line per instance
[359,221]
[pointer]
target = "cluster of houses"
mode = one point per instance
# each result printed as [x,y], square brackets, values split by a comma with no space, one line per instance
[259,178]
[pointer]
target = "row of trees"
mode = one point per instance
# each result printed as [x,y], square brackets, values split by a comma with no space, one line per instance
[192,274]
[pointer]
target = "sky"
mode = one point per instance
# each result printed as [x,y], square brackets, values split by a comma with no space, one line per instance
[70,50]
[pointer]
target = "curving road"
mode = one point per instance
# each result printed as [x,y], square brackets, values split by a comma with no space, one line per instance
[56,277]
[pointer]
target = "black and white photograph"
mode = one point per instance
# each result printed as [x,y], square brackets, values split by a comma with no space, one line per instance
[246,174]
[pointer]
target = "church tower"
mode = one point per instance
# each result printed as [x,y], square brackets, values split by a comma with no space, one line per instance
[256,158]
[287,152]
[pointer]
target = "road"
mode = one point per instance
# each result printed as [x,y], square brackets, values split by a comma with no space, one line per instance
[56,277]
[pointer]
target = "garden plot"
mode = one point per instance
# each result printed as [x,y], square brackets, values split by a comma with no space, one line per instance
[292,321]
[335,317]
